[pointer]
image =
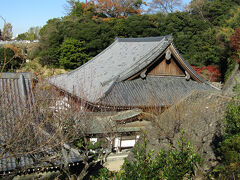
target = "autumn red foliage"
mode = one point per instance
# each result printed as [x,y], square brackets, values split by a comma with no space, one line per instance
[235,44]
[235,40]
[212,73]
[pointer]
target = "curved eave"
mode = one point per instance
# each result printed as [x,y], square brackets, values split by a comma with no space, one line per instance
[186,67]
[149,59]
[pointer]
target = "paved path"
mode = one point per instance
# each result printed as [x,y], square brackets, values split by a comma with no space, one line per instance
[115,161]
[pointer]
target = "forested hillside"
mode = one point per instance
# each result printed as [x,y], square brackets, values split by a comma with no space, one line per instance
[206,32]
[203,33]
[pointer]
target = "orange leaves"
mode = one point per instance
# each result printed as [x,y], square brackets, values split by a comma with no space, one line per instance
[17,51]
[105,9]
[119,8]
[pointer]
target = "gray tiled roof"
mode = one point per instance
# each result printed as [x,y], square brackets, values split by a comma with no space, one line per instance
[15,91]
[108,122]
[152,91]
[122,59]
[15,98]
[17,85]
[15,95]
[105,79]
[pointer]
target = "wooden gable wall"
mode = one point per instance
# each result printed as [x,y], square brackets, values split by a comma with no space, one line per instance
[165,67]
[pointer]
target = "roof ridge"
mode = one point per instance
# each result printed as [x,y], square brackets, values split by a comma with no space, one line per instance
[168,40]
[141,39]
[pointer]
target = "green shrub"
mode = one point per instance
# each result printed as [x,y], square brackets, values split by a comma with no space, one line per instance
[230,67]
[175,164]
[72,54]
[232,119]
[50,57]
[230,146]
[104,174]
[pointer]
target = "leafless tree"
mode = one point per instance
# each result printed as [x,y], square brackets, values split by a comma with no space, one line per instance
[197,7]
[165,6]
[7,30]
[34,129]
[2,34]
